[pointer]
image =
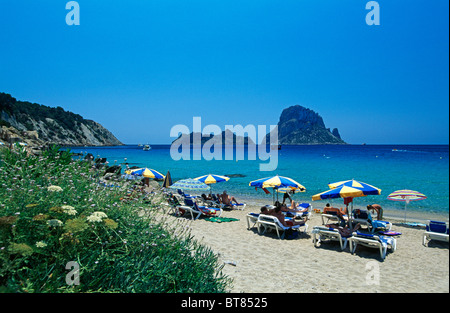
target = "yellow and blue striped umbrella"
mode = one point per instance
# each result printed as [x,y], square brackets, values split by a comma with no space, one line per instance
[276,182]
[212,179]
[339,192]
[347,189]
[145,172]
[365,188]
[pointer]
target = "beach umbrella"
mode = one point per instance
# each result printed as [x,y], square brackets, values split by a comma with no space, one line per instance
[289,190]
[212,179]
[347,189]
[406,196]
[145,172]
[167,180]
[190,184]
[364,187]
[277,182]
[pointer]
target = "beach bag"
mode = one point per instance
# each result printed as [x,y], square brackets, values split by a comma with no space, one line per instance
[291,234]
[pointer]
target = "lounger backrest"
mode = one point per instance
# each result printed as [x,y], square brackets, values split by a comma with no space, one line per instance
[437,227]
[331,211]
[364,215]
[270,219]
[189,201]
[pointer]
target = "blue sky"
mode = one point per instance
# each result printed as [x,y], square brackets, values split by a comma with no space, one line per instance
[141,67]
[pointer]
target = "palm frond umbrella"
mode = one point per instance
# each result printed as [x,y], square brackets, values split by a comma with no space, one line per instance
[275,183]
[406,196]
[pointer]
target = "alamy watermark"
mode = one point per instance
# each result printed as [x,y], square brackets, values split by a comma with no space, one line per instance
[73,17]
[373,274]
[227,144]
[373,17]
[73,277]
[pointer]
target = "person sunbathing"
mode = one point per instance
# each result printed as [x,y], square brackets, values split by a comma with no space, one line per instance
[280,216]
[345,231]
[206,197]
[265,210]
[295,208]
[226,199]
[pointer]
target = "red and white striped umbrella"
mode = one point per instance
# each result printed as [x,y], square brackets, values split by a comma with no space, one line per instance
[406,196]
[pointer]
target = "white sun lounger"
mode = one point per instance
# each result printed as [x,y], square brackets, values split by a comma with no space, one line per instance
[252,218]
[372,241]
[321,233]
[196,211]
[272,222]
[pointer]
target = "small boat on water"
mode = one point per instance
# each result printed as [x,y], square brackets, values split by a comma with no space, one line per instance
[146,147]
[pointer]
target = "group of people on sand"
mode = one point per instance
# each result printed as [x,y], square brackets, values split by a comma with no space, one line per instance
[278,210]
[223,198]
[343,226]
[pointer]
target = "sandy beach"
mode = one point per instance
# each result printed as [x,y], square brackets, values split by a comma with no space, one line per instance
[266,264]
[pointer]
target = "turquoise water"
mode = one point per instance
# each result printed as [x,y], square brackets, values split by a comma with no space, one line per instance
[424,168]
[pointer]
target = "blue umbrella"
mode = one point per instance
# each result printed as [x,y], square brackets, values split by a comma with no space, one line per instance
[190,184]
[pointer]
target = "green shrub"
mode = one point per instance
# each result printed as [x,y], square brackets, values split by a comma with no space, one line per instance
[54,211]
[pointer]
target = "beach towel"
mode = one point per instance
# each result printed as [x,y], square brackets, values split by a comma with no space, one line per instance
[221,219]
[390,233]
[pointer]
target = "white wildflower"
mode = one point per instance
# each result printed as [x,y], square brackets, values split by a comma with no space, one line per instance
[41,244]
[69,210]
[54,188]
[96,217]
[55,223]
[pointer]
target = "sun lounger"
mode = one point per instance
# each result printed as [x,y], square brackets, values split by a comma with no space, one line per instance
[191,206]
[324,233]
[252,218]
[237,206]
[272,222]
[436,230]
[331,215]
[372,241]
[365,218]
[306,214]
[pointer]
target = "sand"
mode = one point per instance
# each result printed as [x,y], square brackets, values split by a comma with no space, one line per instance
[266,264]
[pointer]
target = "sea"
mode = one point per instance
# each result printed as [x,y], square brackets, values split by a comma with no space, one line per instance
[423,168]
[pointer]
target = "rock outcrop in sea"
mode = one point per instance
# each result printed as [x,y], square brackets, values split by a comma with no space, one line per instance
[302,126]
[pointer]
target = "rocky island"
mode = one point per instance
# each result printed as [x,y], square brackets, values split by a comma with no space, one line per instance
[301,126]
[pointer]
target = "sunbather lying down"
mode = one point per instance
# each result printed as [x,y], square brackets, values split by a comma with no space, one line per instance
[226,199]
[277,213]
[344,231]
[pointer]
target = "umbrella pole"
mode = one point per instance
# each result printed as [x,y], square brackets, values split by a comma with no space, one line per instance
[406,203]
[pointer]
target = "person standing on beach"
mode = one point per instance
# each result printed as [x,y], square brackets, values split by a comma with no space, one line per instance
[378,209]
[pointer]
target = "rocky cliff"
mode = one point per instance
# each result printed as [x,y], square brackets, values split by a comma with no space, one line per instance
[301,126]
[52,125]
